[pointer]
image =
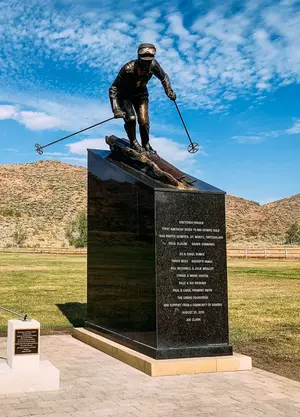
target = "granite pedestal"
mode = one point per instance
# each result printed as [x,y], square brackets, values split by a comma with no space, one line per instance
[157,280]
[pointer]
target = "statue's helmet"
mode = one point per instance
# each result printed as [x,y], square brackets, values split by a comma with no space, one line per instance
[146,51]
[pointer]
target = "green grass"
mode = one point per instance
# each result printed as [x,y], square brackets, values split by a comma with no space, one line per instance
[264,302]
[264,312]
[38,284]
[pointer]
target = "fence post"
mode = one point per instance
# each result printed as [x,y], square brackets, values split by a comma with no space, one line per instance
[286,253]
[246,253]
[265,253]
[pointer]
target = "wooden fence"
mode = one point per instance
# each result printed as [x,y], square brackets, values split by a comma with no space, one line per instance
[57,251]
[278,252]
[267,253]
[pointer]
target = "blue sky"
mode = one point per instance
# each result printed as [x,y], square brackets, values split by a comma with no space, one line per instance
[235,68]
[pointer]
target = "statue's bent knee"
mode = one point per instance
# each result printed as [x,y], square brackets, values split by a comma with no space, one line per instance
[130,119]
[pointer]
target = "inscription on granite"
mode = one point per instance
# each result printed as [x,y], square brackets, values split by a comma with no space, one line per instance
[192,281]
[26,341]
[191,270]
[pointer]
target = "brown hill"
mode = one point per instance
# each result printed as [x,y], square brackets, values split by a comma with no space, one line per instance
[40,198]
[249,223]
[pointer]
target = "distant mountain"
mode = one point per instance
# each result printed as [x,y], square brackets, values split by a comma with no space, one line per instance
[248,222]
[40,198]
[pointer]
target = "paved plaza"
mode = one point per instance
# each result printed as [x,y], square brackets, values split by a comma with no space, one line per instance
[94,384]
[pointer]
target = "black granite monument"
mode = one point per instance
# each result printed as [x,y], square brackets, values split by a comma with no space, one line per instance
[157,279]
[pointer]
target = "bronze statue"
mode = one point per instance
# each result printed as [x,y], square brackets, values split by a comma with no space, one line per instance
[129,95]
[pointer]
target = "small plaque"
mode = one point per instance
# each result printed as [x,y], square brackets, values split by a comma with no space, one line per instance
[26,341]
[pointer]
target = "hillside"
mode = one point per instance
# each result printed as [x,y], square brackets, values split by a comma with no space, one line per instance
[42,197]
[267,224]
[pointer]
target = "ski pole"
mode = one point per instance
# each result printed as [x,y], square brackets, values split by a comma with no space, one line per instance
[39,148]
[193,146]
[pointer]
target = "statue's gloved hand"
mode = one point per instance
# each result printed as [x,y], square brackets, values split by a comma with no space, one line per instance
[171,95]
[119,114]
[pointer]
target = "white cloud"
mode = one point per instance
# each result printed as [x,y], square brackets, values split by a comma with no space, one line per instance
[53,154]
[38,121]
[254,50]
[259,137]
[248,139]
[60,111]
[263,86]
[30,119]
[7,112]
[173,152]
[169,150]
[294,130]
[73,159]
[272,133]
[176,25]
[11,150]
[80,147]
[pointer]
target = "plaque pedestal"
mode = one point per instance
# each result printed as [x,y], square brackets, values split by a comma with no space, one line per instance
[23,344]
[23,371]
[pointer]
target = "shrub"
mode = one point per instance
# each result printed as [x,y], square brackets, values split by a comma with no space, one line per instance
[19,236]
[9,212]
[76,230]
[228,235]
[292,236]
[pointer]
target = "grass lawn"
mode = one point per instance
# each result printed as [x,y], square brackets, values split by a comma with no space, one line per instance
[264,299]
[49,288]
[264,313]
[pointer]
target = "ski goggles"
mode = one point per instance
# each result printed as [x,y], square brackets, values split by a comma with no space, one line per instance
[146,53]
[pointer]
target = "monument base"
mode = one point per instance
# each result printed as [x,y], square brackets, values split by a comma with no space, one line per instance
[165,353]
[43,378]
[163,367]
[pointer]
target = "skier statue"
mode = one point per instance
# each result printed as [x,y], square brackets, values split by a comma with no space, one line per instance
[129,98]
[129,95]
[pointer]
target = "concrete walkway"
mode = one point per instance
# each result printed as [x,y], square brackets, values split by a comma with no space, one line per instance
[94,384]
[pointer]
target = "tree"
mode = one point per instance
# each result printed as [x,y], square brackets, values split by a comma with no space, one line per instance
[292,236]
[76,231]
[19,236]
